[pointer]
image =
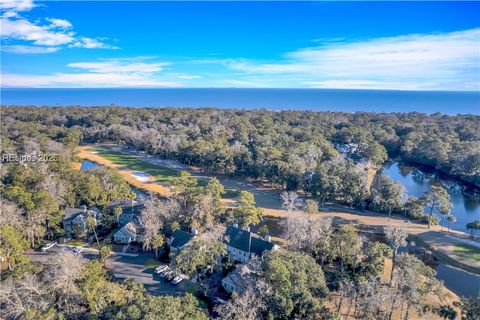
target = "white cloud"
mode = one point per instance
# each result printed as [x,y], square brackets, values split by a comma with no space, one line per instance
[119,66]
[419,62]
[22,29]
[21,49]
[188,76]
[59,23]
[17,5]
[90,43]
[83,80]
[17,30]
[106,73]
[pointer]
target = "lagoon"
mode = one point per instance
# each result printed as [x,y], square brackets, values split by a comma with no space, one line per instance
[466,203]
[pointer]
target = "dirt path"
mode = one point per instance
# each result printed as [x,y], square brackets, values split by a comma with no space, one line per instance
[269,200]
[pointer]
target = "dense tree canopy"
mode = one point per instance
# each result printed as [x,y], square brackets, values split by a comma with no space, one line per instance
[295,151]
[280,146]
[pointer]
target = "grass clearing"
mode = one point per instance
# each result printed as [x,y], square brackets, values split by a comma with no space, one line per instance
[231,193]
[467,252]
[77,243]
[161,174]
[152,263]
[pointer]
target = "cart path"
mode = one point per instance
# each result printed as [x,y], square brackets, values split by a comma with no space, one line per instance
[269,200]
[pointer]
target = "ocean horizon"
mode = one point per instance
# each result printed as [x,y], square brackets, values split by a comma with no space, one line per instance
[347,100]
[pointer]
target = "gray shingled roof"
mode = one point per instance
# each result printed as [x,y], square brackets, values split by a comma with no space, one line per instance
[180,238]
[235,278]
[247,241]
[130,230]
[71,213]
[127,206]
[259,245]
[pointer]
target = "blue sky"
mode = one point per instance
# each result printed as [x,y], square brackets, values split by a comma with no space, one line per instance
[358,45]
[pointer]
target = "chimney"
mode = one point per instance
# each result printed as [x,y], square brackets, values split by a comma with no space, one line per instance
[84,208]
[247,228]
[194,231]
[235,225]
[268,238]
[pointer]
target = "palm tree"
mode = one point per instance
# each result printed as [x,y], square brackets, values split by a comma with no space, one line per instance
[117,212]
[105,252]
[473,227]
[92,225]
[157,243]
[451,219]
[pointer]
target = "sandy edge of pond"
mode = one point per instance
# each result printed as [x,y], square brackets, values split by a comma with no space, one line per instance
[85,153]
[434,238]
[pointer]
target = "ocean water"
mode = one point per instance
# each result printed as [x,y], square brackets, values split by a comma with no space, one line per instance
[274,99]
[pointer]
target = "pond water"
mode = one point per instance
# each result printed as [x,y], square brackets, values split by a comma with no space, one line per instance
[458,281]
[466,205]
[461,282]
[88,165]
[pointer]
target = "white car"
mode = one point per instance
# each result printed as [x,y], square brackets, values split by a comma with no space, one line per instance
[160,269]
[77,251]
[177,279]
[165,272]
[48,246]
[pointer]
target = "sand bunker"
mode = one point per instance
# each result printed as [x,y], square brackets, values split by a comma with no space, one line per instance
[140,176]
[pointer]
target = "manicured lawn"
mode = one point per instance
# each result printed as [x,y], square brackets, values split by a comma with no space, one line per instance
[467,252]
[77,243]
[160,174]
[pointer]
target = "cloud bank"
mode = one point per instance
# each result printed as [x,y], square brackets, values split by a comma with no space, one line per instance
[131,72]
[22,36]
[443,61]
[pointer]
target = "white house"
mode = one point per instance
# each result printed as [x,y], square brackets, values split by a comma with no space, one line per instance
[131,232]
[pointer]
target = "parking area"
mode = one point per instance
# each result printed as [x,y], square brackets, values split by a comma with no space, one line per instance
[137,267]
[140,267]
[42,257]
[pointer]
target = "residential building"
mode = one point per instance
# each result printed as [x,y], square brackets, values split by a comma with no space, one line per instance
[243,244]
[234,281]
[180,240]
[130,210]
[75,220]
[131,232]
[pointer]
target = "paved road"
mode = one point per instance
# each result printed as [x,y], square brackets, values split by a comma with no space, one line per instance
[437,239]
[133,267]
[123,266]
[269,200]
[265,197]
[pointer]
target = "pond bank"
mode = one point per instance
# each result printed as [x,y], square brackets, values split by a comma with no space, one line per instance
[88,153]
[269,200]
[457,280]
[417,181]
